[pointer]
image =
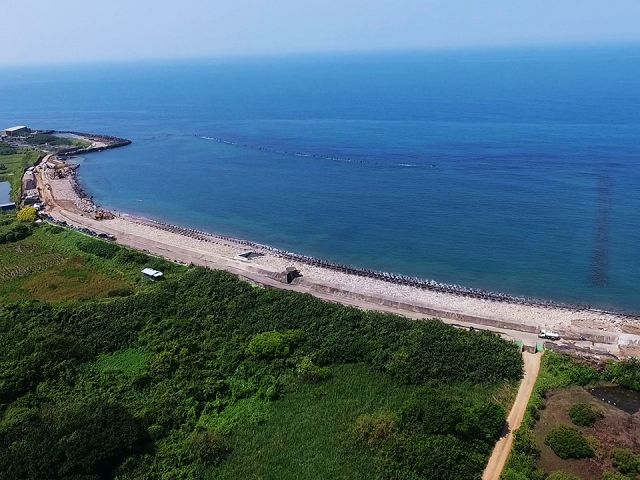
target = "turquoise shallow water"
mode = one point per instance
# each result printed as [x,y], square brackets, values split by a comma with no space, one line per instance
[507,170]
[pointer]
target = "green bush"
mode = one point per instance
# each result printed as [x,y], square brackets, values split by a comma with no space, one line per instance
[127,257]
[375,430]
[615,476]
[54,229]
[208,448]
[98,248]
[568,442]
[87,440]
[274,344]
[584,415]
[625,461]
[310,372]
[625,373]
[27,215]
[560,475]
[120,292]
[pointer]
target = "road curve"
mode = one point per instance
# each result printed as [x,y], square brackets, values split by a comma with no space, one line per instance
[501,451]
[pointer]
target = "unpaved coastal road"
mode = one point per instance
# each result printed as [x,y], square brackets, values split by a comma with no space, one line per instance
[501,451]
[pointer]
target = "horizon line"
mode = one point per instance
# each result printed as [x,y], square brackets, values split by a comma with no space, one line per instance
[321,53]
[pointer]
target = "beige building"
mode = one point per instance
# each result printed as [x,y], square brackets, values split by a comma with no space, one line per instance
[16,131]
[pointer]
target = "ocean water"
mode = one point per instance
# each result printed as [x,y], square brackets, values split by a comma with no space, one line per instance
[510,170]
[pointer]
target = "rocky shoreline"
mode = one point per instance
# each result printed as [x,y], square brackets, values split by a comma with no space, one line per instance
[85,203]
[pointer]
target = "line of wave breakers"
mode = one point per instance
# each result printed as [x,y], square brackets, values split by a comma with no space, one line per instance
[395,278]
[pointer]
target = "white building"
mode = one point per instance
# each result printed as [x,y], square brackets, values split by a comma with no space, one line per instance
[152,274]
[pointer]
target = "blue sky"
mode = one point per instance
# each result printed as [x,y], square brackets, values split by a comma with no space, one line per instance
[62,31]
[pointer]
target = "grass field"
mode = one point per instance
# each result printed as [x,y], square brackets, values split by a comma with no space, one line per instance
[50,267]
[14,166]
[130,361]
[308,434]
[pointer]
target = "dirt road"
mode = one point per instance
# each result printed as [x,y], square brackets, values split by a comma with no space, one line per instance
[500,454]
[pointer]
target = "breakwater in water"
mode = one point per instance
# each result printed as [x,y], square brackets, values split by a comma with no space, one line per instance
[394,278]
[105,142]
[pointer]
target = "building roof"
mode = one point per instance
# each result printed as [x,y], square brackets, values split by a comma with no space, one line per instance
[14,129]
[150,272]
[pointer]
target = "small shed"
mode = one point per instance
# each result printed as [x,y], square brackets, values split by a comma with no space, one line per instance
[152,274]
[289,275]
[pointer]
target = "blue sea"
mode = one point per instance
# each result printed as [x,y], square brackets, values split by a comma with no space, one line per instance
[515,170]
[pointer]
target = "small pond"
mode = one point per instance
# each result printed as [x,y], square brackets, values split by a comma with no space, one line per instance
[5,192]
[622,398]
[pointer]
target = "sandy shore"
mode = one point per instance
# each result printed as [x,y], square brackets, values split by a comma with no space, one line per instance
[590,330]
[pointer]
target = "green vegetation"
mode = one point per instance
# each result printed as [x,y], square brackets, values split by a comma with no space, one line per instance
[615,476]
[51,266]
[42,139]
[584,415]
[205,376]
[626,462]
[5,150]
[557,371]
[27,215]
[568,442]
[560,475]
[12,229]
[625,373]
[14,166]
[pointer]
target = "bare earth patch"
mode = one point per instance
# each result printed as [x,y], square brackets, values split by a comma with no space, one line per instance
[616,430]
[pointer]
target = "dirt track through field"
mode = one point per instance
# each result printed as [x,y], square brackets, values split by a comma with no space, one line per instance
[501,451]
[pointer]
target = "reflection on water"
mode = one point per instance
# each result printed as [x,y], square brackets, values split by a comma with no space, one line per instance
[622,398]
[5,192]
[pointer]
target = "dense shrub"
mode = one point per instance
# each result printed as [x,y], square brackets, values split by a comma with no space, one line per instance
[27,215]
[310,372]
[14,231]
[626,373]
[560,475]
[208,448]
[70,441]
[615,476]
[568,442]
[54,229]
[46,138]
[127,256]
[442,457]
[625,461]
[584,415]
[430,412]
[218,351]
[427,353]
[120,292]
[98,248]
[375,430]
[274,344]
